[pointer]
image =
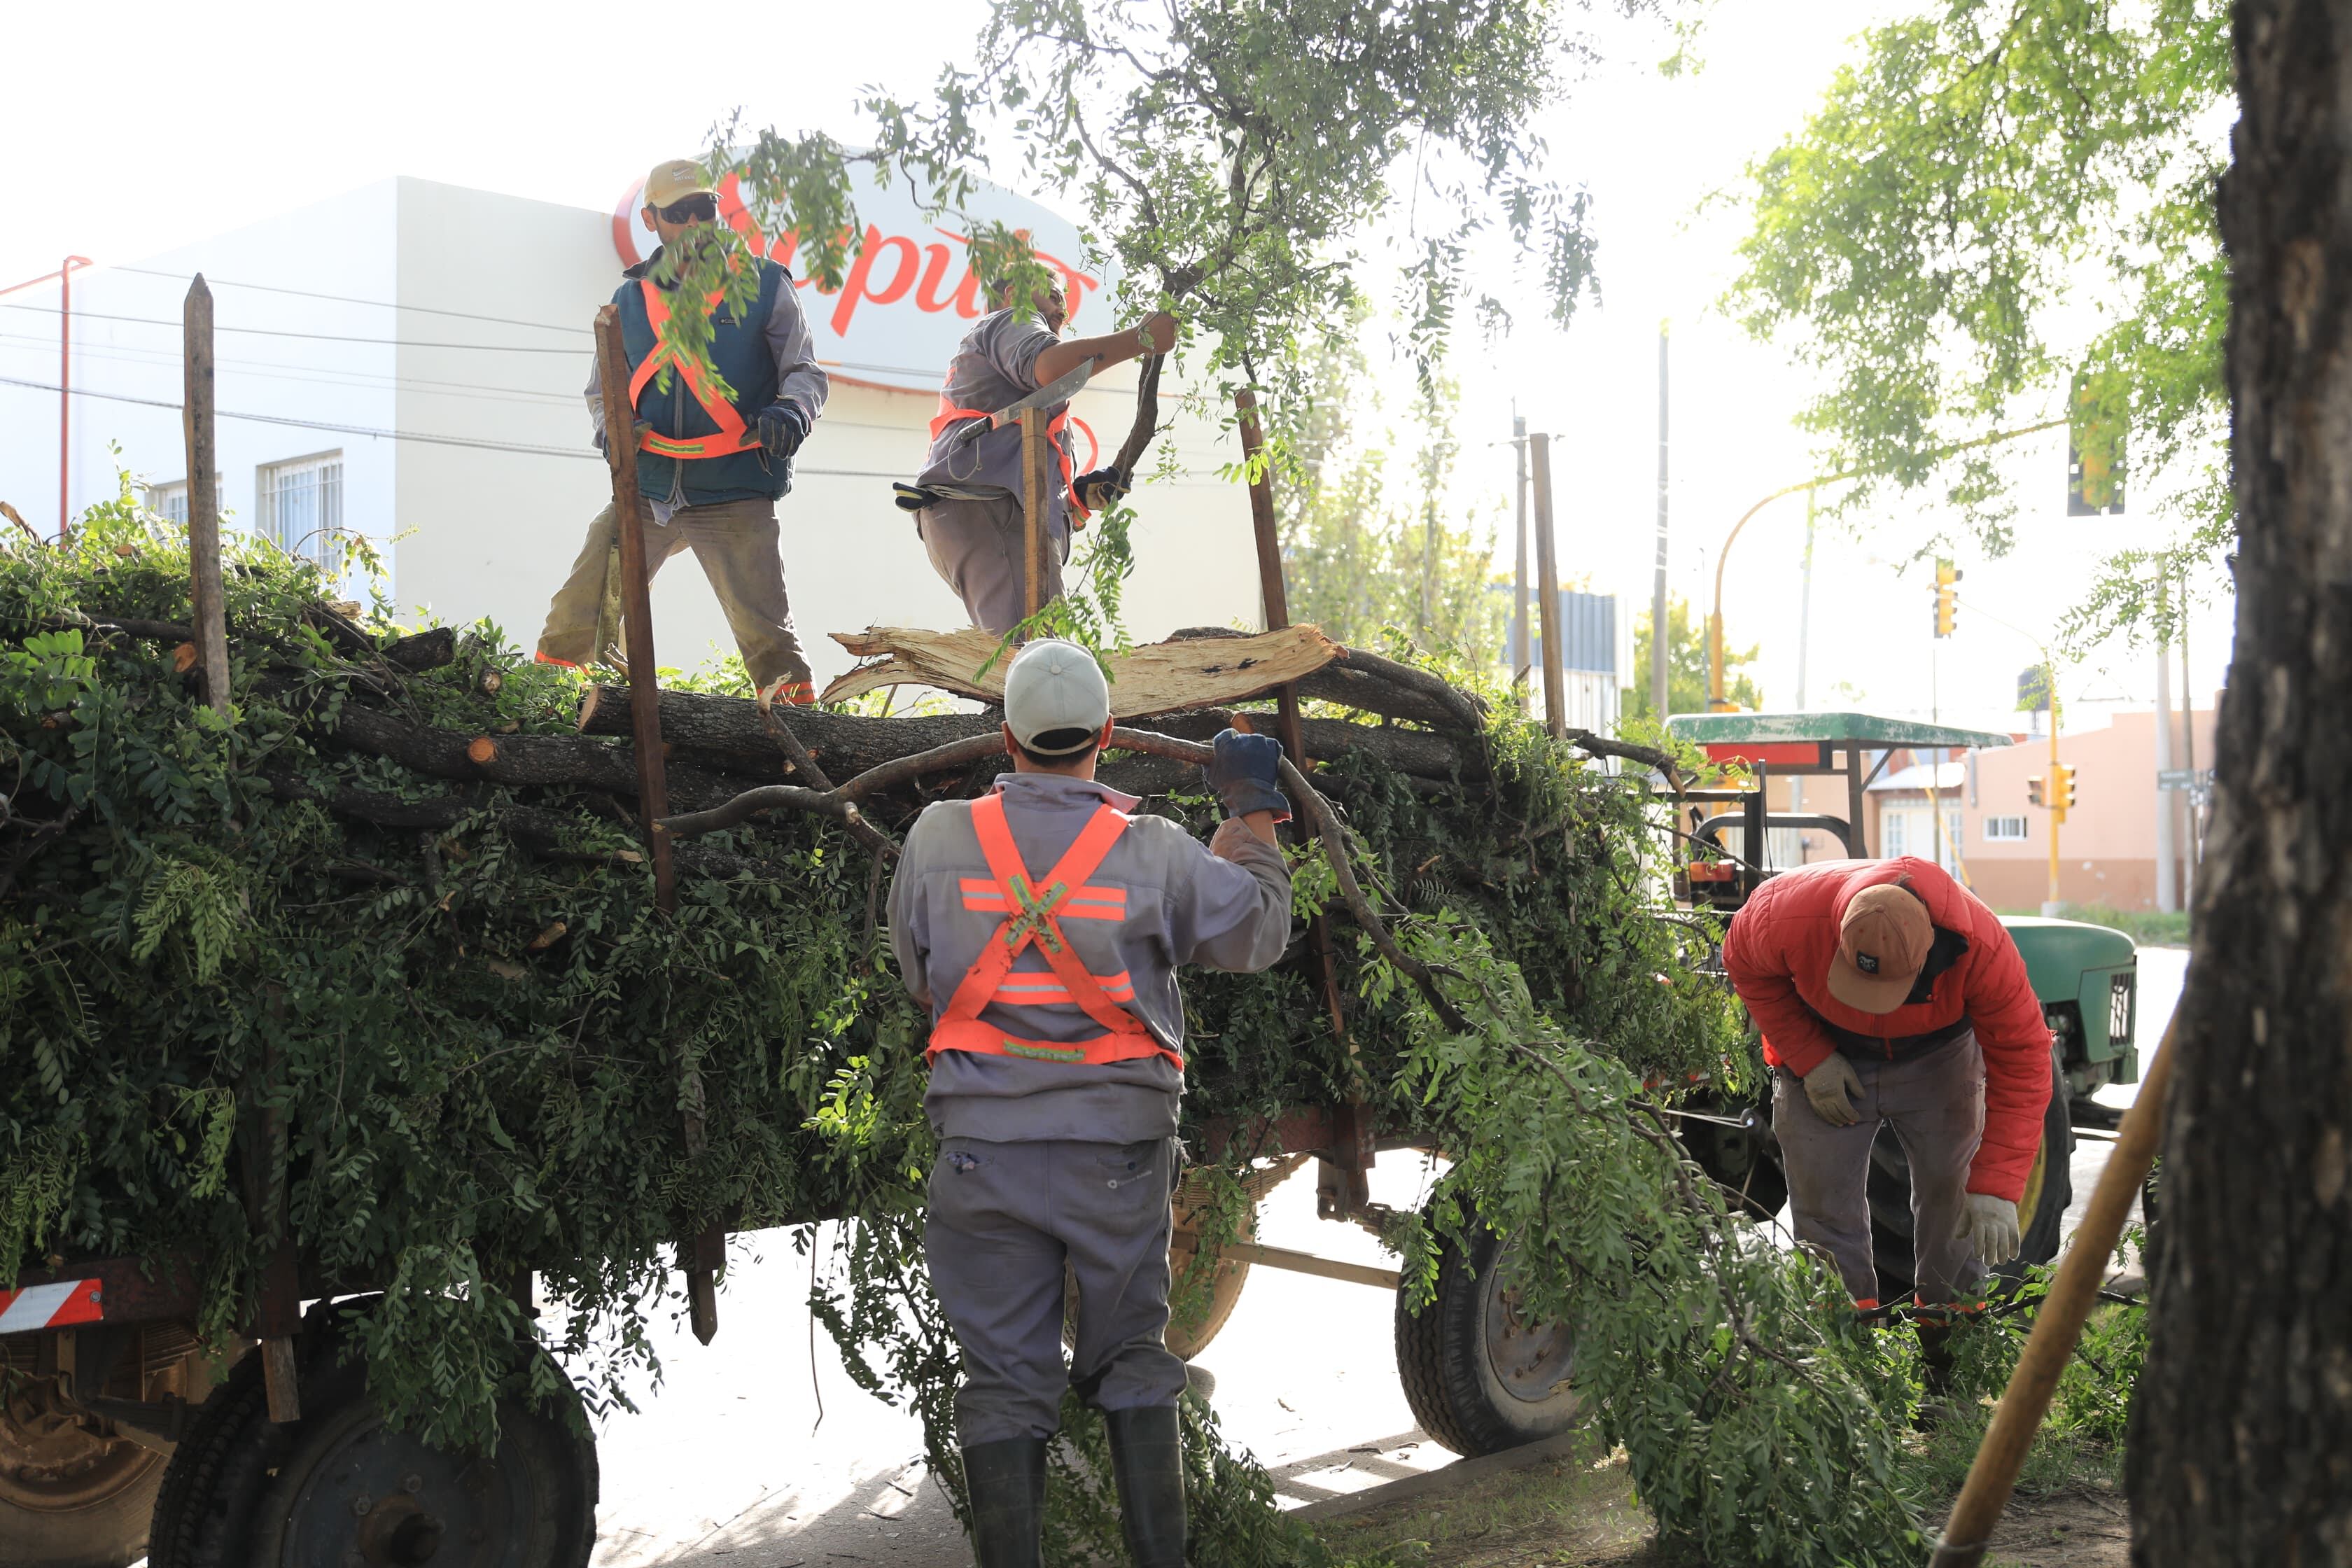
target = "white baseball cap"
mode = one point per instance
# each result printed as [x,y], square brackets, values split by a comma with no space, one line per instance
[1053,686]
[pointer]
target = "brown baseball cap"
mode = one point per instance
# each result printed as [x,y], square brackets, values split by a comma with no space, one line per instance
[674,181]
[1882,944]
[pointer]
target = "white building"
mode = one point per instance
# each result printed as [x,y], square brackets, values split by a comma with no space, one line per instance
[406,362]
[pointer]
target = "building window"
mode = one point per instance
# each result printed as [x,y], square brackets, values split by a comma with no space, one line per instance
[1897,828]
[301,508]
[170,502]
[2004,830]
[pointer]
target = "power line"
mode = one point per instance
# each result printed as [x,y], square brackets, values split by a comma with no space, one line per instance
[472,441]
[315,336]
[323,376]
[350,300]
[380,435]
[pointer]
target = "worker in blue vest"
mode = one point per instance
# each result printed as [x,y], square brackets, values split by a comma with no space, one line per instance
[1042,925]
[710,469]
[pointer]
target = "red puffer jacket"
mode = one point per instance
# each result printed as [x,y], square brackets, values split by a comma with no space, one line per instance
[1779,950]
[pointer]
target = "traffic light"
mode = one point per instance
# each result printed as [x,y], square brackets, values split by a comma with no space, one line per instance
[2033,791]
[1947,576]
[2062,790]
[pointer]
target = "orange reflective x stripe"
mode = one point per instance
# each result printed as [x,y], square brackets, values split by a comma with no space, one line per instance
[948,414]
[733,435]
[1034,917]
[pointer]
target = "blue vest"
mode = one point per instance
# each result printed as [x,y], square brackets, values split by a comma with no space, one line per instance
[739,348]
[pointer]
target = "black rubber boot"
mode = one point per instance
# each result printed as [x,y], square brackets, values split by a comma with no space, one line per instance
[1147,1457]
[1935,1371]
[1007,1483]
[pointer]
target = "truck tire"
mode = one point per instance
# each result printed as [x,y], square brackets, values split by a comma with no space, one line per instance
[244,1490]
[71,1497]
[1478,1378]
[2041,1211]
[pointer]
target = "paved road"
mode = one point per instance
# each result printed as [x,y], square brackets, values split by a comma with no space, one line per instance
[730,1460]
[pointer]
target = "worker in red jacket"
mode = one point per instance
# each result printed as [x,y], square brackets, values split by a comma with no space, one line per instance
[1887,992]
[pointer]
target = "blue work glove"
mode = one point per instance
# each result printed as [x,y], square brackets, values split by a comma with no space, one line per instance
[1098,488]
[1244,774]
[783,428]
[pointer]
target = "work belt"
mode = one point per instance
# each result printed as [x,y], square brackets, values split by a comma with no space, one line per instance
[1902,1048]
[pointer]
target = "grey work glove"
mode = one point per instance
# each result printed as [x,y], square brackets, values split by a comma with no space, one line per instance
[1835,1090]
[783,428]
[1989,1225]
[1244,774]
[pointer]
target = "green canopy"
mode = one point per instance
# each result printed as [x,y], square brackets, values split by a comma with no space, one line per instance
[1856,729]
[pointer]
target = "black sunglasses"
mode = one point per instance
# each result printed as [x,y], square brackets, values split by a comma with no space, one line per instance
[693,209]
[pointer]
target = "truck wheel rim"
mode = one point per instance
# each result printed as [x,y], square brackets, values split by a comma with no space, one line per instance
[1528,1361]
[375,1498]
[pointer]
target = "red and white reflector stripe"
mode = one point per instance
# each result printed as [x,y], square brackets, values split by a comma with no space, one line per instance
[58,1306]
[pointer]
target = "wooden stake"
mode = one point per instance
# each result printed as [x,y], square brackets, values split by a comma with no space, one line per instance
[204,592]
[1276,598]
[2058,1323]
[701,1256]
[1547,593]
[1033,510]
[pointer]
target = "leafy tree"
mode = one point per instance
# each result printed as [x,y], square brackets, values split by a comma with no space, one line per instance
[1229,154]
[1368,551]
[1987,179]
[1686,668]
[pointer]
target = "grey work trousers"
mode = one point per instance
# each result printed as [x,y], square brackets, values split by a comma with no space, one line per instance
[979,549]
[1004,1221]
[736,541]
[1935,1102]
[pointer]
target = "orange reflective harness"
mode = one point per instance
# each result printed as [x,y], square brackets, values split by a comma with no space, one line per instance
[733,436]
[948,414]
[1033,916]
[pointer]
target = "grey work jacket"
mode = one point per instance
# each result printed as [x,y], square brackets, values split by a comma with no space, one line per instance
[1227,907]
[995,366]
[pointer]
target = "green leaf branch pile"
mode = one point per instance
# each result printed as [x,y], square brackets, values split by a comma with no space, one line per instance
[448,979]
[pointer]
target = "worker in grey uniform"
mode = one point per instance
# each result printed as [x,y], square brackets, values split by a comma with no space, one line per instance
[1042,925]
[968,500]
[710,467]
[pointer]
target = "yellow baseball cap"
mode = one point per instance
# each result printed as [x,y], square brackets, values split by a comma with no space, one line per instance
[675,180]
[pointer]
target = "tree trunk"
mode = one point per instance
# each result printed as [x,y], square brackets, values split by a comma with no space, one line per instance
[2241,1446]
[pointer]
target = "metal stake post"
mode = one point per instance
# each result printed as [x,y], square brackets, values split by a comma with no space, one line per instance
[1520,565]
[701,1256]
[1345,1190]
[1547,593]
[206,596]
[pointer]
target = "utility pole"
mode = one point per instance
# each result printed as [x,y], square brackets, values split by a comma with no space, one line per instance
[65,398]
[2167,884]
[1519,650]
[1804,641]
[1658,581]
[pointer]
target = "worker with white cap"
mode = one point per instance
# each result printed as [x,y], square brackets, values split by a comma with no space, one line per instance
[1042,925]
[711,464]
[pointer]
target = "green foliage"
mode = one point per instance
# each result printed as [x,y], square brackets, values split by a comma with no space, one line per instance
[481,1047]
[1998,198]
[1687,667]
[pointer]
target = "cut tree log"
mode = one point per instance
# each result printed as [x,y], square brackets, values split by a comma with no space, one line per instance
[727,734]
[1157,677]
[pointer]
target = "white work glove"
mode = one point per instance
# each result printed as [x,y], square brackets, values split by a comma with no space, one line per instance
[1989,1225]
[1834,1089]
